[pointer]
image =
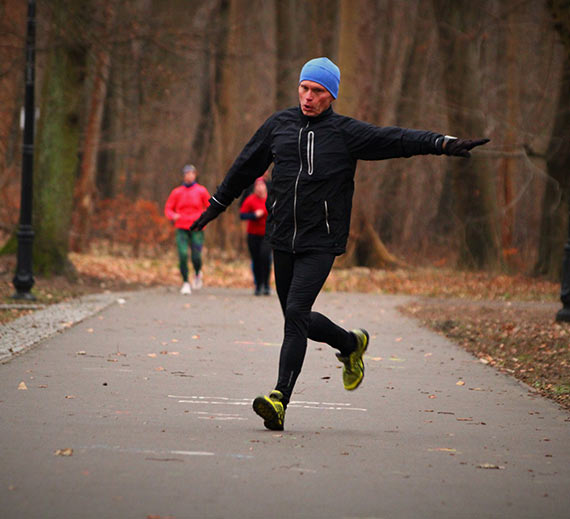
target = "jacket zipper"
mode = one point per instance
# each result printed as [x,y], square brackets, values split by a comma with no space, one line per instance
[310,151]
[327,217]
[296,184]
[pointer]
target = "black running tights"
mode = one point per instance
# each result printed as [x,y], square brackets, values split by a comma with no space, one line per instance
[298,281]
[260,252]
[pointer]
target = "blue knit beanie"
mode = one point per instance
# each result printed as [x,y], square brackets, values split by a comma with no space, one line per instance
[322,71]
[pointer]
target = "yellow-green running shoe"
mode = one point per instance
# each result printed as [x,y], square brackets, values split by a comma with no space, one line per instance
[271,409]
[353,370]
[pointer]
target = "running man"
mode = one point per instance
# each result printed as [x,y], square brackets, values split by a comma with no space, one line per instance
[315,151]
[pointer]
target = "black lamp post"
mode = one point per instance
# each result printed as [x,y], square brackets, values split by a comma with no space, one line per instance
[564,313]
[24,279]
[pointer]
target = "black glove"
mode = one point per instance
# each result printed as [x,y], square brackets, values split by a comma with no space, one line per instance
[213,211]
[460,147]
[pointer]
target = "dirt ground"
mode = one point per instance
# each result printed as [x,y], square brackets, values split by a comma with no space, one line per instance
[519,338]
[506,321]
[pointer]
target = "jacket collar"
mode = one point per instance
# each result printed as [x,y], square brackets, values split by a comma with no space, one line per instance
[323,115]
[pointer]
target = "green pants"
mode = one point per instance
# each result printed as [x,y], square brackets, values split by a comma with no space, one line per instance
[194,240]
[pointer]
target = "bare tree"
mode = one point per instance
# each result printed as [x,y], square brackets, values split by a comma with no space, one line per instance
[474,186]
[58,137]
[85,189]
[245,94]
[12,42]
[554,223]
[371,62]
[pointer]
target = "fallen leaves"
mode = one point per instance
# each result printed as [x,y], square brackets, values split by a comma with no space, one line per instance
[63,452]
[22,386]
[442,283]
[163,352]
[520,339]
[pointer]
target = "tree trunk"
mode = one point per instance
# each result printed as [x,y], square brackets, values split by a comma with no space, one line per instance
[473,179]
[57,144]
[12,54]
[12,64]
[245,93]
[85,190]
[398,197]
[508,165]
[555,204]
[134,89]
[365,71]
[290,52]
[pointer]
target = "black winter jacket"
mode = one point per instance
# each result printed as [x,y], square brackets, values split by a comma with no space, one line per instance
[314,158]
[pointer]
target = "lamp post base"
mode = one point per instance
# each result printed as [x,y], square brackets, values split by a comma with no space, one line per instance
[24,296]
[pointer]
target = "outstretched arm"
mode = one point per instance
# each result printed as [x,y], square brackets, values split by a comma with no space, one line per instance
[368,142]
[213,211]
[251,163]
[459,147]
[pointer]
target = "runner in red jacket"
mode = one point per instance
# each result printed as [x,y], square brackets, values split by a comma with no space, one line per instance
[184,205]
[254,211]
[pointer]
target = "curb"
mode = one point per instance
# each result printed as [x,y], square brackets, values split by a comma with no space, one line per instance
[23,333]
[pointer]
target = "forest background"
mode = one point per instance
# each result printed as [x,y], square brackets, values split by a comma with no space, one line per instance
[128,91]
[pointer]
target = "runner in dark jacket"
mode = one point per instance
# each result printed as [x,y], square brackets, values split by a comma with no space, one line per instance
[314,152]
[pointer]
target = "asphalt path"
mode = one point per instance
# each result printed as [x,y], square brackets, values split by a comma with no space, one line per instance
[143,410]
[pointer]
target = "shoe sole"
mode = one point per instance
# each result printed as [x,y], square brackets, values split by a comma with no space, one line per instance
[264,408]
[352,388]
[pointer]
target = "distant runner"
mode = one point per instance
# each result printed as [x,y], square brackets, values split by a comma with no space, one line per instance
[184,205]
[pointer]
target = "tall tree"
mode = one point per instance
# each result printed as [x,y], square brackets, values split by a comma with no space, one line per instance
[12,43]
[556,200]
[401,210]
[295,20]
[371,64]
[58,138]
[85,189]
[245,91]
[459,31]
[508,164]
[209,24]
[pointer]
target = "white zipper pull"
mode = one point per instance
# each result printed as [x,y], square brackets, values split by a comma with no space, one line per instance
[310,151]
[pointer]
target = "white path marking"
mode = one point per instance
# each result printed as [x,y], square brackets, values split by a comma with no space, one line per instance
[222,400]
[193,453]
[134,450]
[203,415]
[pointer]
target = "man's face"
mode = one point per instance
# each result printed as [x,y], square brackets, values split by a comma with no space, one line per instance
[190,176]
[314,98]
[260,189]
